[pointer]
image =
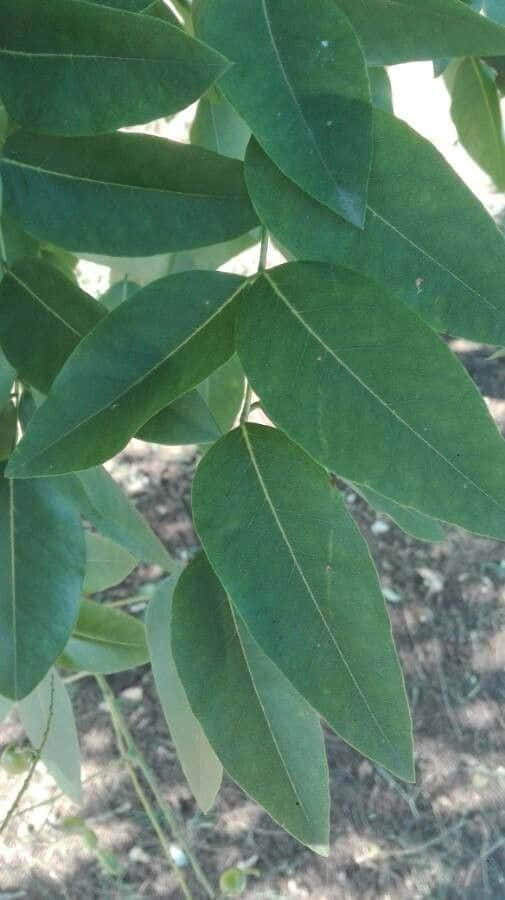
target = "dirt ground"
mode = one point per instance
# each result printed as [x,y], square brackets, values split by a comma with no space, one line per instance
[442,838]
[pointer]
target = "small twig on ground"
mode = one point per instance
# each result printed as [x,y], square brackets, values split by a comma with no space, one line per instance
[445,697]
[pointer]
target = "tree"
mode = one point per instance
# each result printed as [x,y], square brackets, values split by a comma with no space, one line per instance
[280,619]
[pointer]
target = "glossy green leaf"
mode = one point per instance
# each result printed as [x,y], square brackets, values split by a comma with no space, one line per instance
[197,758]
[380,86]
[102,502]
[299,573]
[118,293]
[224,392]
[43,316]
[409,520]
[8,429]
[186,323]
[267,737]
[105,640]
[61,752]
[419,250]
[123,194]
[299,80]
[218,127]
[360,381]
[476,113]
[42,559]
[186,421]
[77,69]
[406,30]
[107,563]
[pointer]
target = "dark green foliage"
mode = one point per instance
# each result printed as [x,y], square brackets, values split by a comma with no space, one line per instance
[282,619]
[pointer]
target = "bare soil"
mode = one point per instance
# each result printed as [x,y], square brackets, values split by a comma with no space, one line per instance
[442,838]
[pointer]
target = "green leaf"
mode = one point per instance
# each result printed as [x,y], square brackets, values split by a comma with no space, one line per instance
[187,326]
[361,383]
[409,520]
[299,573]
[42,560]
[107,563]
[224,392]
[102,502]
[406,30]
[380,86]
[419,250]
[299,80]
[218,127]
[267,737]
[476,113]
[123,194]
[186,421]
[43,316]
[197,758]
[104,641]
[61,64]
[61,752]
[8,429]
[118,293]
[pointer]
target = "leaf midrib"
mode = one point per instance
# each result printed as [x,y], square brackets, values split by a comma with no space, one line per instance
[10,161]
[291,90]
[265,716]
[308,588]
[39,299]
[143,377]
[109,642]
[373,393]
[434,260]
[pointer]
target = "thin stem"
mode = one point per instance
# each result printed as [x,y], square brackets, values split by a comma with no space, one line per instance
[133,757]
[263,250]
[26,782]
